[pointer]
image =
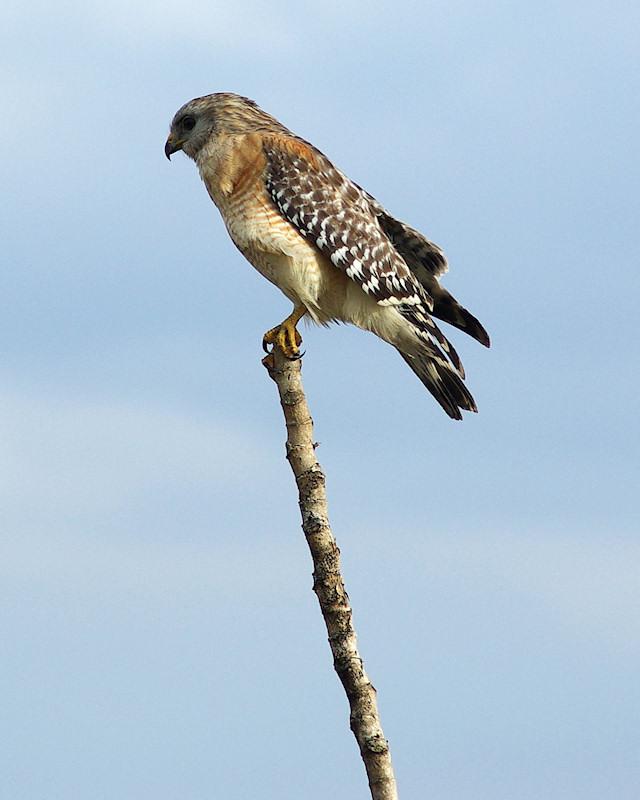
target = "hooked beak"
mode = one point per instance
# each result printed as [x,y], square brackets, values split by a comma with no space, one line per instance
[172,145]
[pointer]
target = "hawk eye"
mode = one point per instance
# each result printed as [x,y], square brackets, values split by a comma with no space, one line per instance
[189,123]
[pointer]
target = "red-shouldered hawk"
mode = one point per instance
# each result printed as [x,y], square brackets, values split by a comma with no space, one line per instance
[333,250]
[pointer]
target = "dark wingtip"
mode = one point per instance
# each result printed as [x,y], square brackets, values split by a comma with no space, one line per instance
[483,337]
[447,308]
[473,327]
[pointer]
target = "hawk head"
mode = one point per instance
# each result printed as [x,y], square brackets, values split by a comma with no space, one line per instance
[212,115]
[192,126]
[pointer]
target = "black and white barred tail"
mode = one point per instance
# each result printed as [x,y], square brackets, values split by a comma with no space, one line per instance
[436,363]
[444,383]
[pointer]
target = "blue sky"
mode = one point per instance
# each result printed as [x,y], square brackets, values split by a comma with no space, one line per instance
[161,639]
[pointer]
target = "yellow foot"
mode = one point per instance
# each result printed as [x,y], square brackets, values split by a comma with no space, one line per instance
[285,336]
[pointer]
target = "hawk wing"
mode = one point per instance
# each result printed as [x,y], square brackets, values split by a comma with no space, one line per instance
[334,213]
[337,215]
[424,258]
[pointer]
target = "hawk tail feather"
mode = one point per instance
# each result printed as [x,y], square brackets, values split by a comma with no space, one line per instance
[442,381]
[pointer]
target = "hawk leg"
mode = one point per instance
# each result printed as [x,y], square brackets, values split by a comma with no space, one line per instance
[285,336]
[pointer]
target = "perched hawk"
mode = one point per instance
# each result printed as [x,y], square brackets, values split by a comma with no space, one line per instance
[334,251]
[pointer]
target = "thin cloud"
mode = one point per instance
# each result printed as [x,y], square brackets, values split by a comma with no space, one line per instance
[90,456]
[246,26]
[93,566]
[586,582]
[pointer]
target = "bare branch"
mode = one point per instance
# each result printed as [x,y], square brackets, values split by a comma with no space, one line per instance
[327,579]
